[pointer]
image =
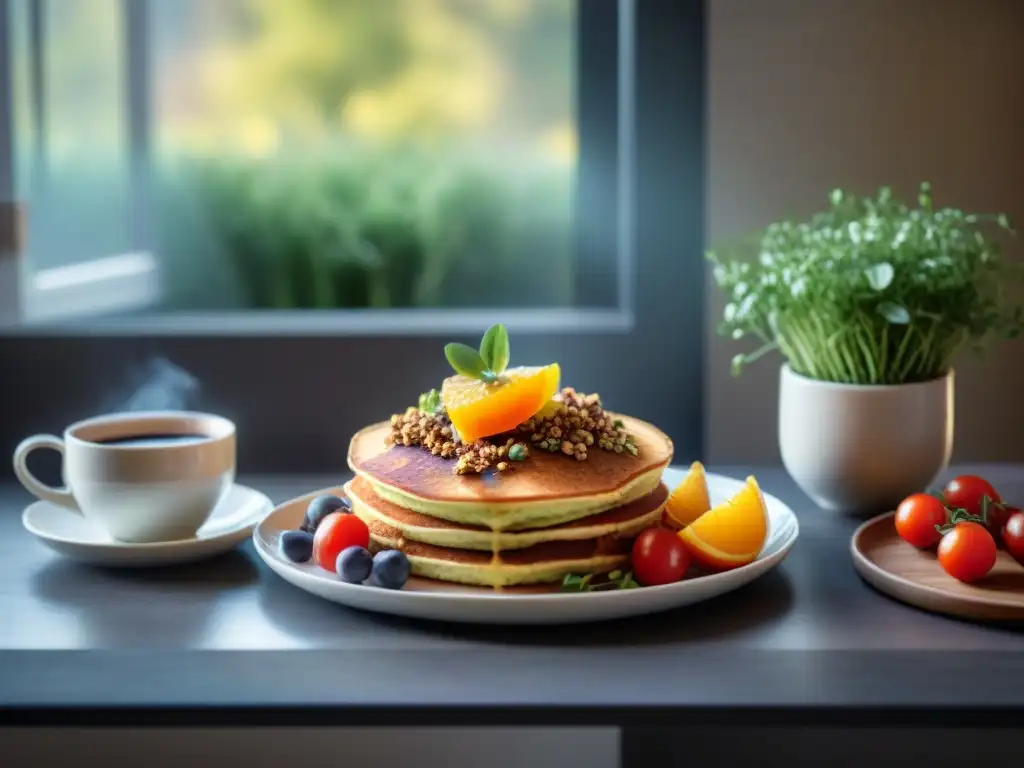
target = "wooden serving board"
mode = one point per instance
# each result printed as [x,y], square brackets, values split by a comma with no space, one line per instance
[913,576]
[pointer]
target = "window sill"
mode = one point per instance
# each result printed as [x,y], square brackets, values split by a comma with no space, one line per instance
[75,294]
[394,322]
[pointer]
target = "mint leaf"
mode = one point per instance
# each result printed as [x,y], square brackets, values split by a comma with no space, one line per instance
[465,360]
[494,348]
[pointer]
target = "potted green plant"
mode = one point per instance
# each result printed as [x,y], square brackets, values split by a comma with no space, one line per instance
[869,302]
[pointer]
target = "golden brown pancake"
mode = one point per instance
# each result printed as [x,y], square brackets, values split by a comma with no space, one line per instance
[542,477]
[545,563]
[424,584]
[626,520]
[545,490]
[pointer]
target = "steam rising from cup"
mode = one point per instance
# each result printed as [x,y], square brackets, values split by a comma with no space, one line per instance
[164,387]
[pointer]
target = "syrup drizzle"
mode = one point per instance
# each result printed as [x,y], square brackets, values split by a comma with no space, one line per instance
[490,477]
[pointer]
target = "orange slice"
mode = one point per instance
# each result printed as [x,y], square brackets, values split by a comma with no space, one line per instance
[689,500]
[731,534]
[478,409]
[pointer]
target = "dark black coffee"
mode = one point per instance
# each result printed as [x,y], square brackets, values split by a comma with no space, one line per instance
[153,441]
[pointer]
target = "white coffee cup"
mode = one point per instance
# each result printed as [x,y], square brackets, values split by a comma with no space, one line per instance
[142,477]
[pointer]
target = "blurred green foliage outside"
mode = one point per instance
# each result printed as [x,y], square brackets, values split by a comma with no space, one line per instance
[369,153]
[319,153]
[366,230]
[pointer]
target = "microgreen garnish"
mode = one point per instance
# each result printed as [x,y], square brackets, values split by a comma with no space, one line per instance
[871,290]
[430,402]
[573,582]
[594,583]
[628,582]
[489,363]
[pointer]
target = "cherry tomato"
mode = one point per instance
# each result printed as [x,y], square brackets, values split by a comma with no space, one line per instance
[998,516]
[659,557]
[967,491]
[1013,536]
[338,531]
[967,552]
[916,518]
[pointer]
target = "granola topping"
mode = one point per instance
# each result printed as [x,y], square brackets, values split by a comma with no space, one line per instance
[572,423]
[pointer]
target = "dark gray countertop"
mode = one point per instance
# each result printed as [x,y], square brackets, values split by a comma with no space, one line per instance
[809,640]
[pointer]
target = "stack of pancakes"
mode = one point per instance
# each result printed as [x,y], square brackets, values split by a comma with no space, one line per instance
[549,516]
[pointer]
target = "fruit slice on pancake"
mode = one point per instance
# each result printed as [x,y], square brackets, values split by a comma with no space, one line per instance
[731,534]
[479,408]
[486,397]
[689,500]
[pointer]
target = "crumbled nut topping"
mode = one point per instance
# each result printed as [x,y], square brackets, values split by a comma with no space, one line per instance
[435,433]
[572,424]
[576,425]
[483,454]
[415,427]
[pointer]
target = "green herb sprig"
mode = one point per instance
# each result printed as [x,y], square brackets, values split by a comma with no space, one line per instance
[430,402]
[871,291]
[586,583]
[488,363]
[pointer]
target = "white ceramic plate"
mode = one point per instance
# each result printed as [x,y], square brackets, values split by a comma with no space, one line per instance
[485,607]
[70,534]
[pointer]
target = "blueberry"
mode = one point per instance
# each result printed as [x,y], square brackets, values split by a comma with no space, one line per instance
[390,569]
[297,546]
[321,507]
[354,564]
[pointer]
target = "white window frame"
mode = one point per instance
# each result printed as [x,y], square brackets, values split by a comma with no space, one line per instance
[11,229]
[97,286]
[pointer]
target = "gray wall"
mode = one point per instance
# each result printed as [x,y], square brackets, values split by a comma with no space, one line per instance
[807,95]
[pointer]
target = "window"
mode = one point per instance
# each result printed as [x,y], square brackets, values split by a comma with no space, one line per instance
[358,180]
[407,153]
[251,154]
[75,163]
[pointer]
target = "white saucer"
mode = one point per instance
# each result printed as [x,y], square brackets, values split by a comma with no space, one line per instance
[70,534]
[453,603]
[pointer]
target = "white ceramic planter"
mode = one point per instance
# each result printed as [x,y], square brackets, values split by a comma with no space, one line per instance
[863,448]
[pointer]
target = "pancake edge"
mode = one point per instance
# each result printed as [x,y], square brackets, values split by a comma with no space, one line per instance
[505,540]
[519,513]
[503,575]
[511,517]
[540,500]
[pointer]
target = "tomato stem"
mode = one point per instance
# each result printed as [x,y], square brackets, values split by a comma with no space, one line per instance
[960,515]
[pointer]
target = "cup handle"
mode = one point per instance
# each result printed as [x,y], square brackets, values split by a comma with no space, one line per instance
[60,496]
